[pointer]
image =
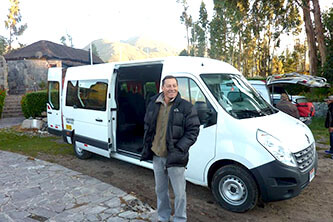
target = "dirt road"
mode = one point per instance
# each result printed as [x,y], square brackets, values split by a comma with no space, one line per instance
[315,203]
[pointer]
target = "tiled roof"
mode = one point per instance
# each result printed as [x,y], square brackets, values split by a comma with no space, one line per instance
[50,50]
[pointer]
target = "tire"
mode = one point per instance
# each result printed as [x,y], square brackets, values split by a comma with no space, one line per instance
[234,188]
[80,153]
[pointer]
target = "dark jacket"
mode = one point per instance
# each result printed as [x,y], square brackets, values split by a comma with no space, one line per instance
[329,116]
[288,107]
[182,130]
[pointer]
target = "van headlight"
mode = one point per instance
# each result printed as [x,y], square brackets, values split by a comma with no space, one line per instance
[274,146]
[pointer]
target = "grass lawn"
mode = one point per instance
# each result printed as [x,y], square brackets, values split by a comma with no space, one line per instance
[319,131]
[27,144]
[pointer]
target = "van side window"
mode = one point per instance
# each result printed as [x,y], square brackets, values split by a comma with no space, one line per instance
[193,93]
[183,88]
[87,94]
[71,94]
[190,91]
[53,94]
[196,93]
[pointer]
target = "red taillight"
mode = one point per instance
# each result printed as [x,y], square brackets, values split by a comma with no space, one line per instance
[86,145]
[51,125]
[56,127]
[48,106]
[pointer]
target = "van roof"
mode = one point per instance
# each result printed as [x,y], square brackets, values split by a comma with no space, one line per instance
[173,64]
[187,64]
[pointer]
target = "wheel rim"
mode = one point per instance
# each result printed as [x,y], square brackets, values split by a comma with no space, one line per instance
[78,150]
[233,190]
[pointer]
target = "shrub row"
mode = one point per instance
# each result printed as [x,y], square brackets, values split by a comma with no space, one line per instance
[33,104]
[2,100]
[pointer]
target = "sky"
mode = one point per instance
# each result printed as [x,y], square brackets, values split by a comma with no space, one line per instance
[86,21]
[113,20]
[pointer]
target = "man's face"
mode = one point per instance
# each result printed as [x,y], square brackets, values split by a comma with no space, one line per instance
[170,89]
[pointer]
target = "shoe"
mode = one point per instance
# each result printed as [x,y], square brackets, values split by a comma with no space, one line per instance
[329,151]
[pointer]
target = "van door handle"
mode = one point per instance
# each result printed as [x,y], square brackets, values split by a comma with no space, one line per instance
[99,120]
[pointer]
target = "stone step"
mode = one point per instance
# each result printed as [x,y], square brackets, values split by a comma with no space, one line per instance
[11,114]
[13,98]
[12,106]
[13,101]
[12,109]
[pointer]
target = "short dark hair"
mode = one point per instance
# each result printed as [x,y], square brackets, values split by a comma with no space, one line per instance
[168,77]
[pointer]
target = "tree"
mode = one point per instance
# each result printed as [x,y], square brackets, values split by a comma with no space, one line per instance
[246,33]
[3,45]
[328,33]
[310,36]
[277,65]
[201,29]
[63,40]
[67,41]
[12,23]
[314,33]
[183,53]
[299,55]
[319,31]
[186,19]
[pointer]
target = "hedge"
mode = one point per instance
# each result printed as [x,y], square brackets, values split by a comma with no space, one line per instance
[33,104]
[2,100]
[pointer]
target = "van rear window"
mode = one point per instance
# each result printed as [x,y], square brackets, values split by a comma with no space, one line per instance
[53,94]
[87,94]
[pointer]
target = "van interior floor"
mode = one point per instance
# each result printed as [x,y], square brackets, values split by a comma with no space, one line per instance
[132,144]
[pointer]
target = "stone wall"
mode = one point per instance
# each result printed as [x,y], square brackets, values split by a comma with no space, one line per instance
[27,75]
[3,73]
[320,108]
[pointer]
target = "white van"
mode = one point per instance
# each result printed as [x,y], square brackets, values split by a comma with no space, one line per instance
[245,149]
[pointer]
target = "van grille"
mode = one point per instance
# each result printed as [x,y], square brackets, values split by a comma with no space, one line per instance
[305,157]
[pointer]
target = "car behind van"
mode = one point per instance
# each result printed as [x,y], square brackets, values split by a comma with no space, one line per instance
[245,150]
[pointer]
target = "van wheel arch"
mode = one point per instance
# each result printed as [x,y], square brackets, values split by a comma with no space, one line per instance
[234,188]
[216,166]
[80,153]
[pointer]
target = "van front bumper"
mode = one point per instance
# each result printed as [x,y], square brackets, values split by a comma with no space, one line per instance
[277,181]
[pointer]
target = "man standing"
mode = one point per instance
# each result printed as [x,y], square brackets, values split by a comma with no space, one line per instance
[287,107]
[329,122]
[171,127]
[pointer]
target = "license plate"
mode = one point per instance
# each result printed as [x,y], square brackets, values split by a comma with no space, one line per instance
[68,127]
[312,174]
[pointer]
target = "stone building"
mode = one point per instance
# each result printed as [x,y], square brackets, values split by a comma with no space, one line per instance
[25,69]
[3,73]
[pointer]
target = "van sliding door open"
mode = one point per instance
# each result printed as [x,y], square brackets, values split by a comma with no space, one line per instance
[135,84]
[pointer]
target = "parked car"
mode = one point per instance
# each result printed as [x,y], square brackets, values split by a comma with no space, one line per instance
[262,88]
[275,85]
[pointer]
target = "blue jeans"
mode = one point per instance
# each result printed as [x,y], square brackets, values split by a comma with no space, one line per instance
[331,141]
[177,179]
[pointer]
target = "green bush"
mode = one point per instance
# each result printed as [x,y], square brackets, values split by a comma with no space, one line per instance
[318,94]
[33,104]
[2,100]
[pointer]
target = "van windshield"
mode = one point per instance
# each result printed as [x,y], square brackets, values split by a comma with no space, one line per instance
[236,96]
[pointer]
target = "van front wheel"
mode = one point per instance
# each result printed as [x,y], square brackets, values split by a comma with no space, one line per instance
[81,153]
[234,188]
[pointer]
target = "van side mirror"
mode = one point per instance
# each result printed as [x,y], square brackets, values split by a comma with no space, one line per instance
[207,116]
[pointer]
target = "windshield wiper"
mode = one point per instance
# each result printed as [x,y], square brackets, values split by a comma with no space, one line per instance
[243,114]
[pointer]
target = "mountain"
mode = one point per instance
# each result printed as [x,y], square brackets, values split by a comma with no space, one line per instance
[132,49]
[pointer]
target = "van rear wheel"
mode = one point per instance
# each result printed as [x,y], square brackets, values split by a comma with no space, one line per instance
[81,153]
[234,188]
